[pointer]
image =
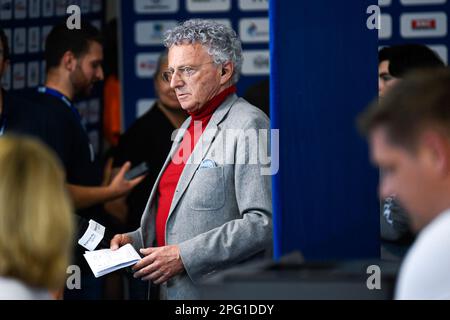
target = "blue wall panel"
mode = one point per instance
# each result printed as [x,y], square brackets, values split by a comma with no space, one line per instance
[324,71]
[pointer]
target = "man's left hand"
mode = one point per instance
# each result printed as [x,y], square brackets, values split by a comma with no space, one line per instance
[159,264]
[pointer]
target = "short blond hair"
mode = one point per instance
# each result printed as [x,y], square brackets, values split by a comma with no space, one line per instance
[36,217]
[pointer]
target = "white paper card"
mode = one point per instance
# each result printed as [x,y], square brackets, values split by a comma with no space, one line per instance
[105,261]
[93,235]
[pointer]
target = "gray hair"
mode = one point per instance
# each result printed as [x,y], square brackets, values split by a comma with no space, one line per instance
[221,42]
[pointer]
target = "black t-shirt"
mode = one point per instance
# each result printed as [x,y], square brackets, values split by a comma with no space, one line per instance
[50,120]
[20,116]
[66,135]
[149,140]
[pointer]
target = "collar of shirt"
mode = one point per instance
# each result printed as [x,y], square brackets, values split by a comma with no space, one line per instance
[211,106]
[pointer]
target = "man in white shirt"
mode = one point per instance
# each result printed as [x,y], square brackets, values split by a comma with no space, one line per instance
[409,135]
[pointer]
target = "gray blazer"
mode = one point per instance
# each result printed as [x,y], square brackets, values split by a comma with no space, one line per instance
[221,214]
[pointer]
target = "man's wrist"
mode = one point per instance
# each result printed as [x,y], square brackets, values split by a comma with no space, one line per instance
[112,192]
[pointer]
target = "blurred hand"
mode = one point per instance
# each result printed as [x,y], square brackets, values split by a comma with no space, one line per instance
[119,240]
[119,185]
[108,171]
[159,264]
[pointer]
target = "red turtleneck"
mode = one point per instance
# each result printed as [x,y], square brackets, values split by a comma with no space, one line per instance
[171,175]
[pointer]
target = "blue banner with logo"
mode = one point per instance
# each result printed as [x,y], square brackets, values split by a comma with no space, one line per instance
[143,23]
[27,24]
[416,21]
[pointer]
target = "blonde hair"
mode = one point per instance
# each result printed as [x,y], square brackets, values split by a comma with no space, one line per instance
[36,220]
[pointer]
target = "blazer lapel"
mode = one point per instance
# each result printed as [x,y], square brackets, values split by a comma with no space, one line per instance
[201,149]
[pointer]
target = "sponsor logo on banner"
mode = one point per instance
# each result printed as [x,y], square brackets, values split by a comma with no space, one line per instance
[442,52]
[385,31]
[48,7]
[33,74]
[144,105]
[20,39]
[96,5]
[156,6]
[33,40]
[208,5]
[6,9]
[255,30]
[146,64]
[151,32]
[384,3]
[20,9]
[6,80]
[34,9]
[421,2]
[18,74]
[254,5]
[60,7]
[256,62]
[429,24]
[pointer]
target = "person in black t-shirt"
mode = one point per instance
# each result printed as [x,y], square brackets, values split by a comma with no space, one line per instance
[73,61]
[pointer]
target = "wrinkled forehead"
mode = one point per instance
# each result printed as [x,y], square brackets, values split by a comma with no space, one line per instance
[188,53]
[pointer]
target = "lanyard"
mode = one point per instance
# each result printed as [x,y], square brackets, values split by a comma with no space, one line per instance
[69,104]
[63,98]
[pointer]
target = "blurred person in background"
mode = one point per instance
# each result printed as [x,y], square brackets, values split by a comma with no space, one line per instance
[36,227]
[394,63]
[409,135]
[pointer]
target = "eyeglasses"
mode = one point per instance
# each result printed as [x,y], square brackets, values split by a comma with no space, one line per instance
[185,72]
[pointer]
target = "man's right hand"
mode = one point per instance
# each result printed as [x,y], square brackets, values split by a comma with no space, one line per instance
[119,240]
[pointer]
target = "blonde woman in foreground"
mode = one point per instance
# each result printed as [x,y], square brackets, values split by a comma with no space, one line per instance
[36,226]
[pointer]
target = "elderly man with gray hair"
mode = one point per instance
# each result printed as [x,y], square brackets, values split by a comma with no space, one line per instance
[211,206]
